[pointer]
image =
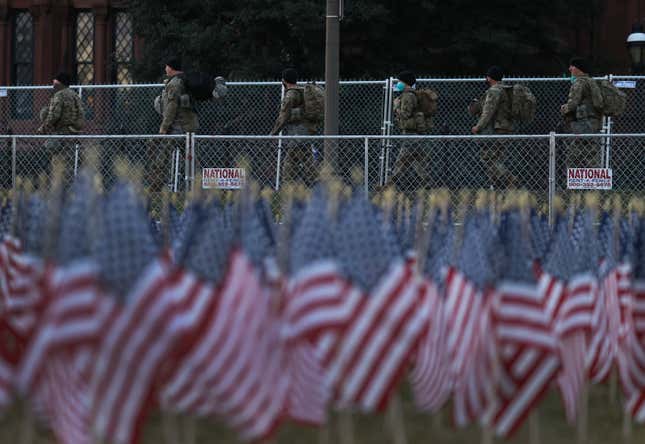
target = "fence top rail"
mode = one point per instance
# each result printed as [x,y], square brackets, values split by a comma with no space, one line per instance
[95,136]
[364,137]
[316,137]
[161,85]
[321,82]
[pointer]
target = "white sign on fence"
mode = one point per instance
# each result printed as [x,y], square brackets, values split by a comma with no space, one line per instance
[3,92]
[224,178]
[630,84]
[589,178]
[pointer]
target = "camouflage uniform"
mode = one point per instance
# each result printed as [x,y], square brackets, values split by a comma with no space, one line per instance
[179,117]
[63,116]
[582,117]
[298,161]
[496,118]
[412,153]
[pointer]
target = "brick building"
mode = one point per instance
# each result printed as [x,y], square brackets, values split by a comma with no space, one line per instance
[92,38]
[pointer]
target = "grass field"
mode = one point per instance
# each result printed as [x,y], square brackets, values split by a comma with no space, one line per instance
[605,427]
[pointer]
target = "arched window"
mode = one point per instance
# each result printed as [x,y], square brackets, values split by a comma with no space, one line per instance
[84,47]
[22,63]
[123,48]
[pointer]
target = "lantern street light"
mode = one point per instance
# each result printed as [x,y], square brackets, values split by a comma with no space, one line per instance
[636,47]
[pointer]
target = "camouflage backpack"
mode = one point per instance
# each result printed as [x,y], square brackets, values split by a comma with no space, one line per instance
[523,104]
[427,99]
[314,103]
[612,100]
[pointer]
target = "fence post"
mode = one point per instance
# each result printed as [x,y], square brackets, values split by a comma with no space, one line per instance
[552,165]
[13,163]
[187,162]
[279,160]
[384,130]
[608,132]
[193,160]
[388,144]
[366,166]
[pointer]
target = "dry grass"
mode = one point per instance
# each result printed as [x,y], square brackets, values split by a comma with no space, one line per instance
[605,427]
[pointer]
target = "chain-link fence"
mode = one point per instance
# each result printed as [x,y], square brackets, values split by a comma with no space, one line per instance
[161,159]
[251,107]
[537,163]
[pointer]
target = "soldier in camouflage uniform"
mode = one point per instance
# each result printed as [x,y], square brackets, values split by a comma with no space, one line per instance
[178,117]
[582,116]
[495,119]
[63,115]
[299,162]
[411,121]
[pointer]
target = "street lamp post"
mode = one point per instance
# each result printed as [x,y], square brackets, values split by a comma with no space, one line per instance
[636,48]
[332,51]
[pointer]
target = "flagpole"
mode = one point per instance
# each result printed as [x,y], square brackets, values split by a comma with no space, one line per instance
[395,420]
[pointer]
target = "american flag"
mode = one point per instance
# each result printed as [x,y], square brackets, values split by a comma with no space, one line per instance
[431,377]
[316,292]
[9,357]
[636,402]
[630,355]
[316,302]
[365,358]
[55,366]
[468,310]
[234,368]
[15,280]
[156,300]
[22,270]
[527,345]
[584,283]
[571,315]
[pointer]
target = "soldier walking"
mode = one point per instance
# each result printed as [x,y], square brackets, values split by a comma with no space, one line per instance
[495,118]
[583,115]
[64,115]
[178,117]
[299,162]
[411,120]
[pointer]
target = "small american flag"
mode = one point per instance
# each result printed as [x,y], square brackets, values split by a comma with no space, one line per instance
[234,368]
[523,321]
[468,310]
[636,402]
[150,290]
[365,360]
[431,377]
[56,366]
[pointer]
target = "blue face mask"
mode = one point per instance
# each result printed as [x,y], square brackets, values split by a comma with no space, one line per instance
[573,79]
[400,86]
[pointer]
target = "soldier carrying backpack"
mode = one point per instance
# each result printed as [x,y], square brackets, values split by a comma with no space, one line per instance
[414,110]
[583,114]
[301,111]
[497,117]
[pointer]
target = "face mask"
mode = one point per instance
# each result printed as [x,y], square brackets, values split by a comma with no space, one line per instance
[572,79]
[400,86]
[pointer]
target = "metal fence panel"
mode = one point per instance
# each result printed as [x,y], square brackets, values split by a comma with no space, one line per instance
[251,107]
[632,120]
[453,162]
[34,154]
[626,159]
